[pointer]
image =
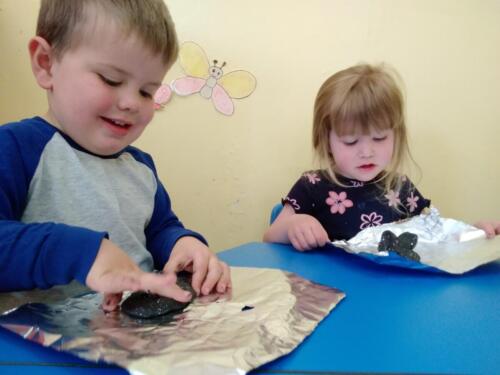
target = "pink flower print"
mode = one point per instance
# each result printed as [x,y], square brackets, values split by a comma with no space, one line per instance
[338,202]
[412,202]
[393,198]
[371,220]
[312,177]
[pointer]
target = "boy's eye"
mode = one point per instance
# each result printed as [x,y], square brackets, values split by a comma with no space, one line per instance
[146,94]
[108,81]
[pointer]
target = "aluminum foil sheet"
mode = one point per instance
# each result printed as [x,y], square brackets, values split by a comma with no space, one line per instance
[267,314]
[441,243]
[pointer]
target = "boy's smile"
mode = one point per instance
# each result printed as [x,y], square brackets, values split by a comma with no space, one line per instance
[101,91]
[117,126]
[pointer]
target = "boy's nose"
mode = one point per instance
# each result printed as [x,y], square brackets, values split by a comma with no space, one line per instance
[129,102]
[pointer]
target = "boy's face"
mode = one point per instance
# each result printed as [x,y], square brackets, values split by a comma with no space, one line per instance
[101,92]
[362,156]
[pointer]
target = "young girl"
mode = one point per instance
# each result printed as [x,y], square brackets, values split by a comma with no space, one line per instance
[359,136]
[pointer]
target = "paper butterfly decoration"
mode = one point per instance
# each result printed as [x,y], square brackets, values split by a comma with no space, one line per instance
[210,80]
[402,245]
[162,96]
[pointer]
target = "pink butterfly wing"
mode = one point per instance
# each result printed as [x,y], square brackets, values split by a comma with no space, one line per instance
[162,96]
[187,85]
[222,101]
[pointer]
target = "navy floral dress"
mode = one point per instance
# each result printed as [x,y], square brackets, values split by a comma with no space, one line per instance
[345,210]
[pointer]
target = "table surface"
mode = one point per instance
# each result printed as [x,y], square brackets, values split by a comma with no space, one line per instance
[392,320]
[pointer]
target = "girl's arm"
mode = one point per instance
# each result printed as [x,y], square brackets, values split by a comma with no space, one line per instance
[303,231]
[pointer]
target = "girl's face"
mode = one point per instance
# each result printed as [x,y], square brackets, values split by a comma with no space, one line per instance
[362,156]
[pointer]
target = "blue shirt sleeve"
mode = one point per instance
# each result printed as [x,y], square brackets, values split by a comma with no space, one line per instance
[36,255]
[164,228]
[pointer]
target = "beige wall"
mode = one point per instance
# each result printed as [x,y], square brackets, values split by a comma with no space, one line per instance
[225,173]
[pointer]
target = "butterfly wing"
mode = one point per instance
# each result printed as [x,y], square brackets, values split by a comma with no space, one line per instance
[408,240]
[406,243]
[187,85]
[162,96]
[238,84]
[387,241]
[193,60]
[222,101]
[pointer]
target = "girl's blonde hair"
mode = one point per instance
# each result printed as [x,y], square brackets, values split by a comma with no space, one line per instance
[361,97]
[61,23]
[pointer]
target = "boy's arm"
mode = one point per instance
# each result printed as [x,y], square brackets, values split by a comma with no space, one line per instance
[38,254]
[42,255]
[165,229]
[175,248]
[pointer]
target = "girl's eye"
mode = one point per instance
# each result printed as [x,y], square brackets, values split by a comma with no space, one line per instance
[108,81]
[380,139]
[350,143]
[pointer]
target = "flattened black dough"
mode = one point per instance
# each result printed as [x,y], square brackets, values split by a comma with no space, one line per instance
[147,306]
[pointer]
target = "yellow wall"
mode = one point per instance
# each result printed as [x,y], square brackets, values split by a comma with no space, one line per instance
[225,173]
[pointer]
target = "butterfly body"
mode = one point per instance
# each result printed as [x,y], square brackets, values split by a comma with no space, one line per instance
[207,89]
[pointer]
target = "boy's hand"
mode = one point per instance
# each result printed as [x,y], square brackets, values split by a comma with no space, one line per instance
[114,272]
[209,272]
[492,228]
[305,232]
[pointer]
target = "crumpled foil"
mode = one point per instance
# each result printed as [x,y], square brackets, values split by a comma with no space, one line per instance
[446,244]
[268,313]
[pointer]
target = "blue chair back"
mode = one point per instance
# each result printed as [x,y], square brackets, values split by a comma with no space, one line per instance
[275,212]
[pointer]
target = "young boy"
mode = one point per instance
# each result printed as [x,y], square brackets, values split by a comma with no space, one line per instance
[76,200]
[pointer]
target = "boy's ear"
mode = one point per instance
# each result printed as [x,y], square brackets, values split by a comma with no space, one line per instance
[42,58]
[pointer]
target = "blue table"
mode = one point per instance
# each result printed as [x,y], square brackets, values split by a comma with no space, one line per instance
[392,320]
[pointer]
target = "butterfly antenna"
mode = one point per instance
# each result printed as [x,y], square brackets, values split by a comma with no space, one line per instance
[215,62]
[223,64]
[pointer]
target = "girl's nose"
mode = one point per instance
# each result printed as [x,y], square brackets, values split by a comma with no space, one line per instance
[365,149]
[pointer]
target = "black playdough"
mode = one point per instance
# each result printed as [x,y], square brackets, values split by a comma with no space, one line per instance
[402,245]
[145,305]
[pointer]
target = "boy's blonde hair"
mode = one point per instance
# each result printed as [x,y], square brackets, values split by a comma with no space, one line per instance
[61,23]
[361,97]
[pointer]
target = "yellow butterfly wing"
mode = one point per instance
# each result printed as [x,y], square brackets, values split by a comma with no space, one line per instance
[193,60]
[238,83]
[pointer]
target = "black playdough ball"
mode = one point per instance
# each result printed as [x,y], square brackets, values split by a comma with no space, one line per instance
[145,305]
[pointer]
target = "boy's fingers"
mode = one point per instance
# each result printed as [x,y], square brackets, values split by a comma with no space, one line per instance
[200,270]
[224,282]
[213,275]
[164,285]
[115,282]
[111,301]
[176,263]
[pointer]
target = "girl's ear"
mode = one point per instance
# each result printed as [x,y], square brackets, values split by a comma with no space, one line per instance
[42,58]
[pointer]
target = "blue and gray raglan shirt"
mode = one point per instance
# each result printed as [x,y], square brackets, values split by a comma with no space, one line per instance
[58,201]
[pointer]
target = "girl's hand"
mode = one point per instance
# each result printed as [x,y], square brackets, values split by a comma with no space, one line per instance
[114,272]
[492,228]
[305,232]
[209,273]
